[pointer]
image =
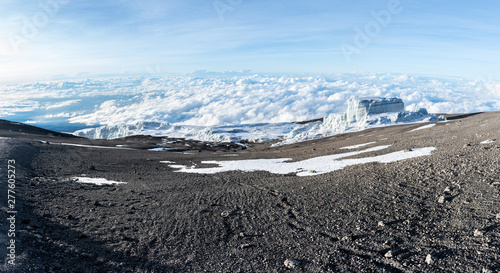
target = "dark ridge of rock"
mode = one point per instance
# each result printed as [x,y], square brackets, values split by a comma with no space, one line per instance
[17,127]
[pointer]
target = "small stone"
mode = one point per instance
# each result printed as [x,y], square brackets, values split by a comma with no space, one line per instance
[346,238]
[467,145]
[388,254]
[291,263]
[447,190]
[245,246]
[226,213]
[408,150]
[441,199]
[312,171]
[381,224]
[498,216]
[478,233]
[429,259]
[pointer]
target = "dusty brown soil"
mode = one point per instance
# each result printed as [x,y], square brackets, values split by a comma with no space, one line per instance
[438,213]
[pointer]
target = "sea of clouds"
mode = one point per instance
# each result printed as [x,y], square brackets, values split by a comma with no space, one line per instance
[198,101]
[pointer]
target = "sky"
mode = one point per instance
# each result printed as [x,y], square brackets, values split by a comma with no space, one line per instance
[51,39]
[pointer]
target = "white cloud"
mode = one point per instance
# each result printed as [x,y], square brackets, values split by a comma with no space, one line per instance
[62,104]
[202,101]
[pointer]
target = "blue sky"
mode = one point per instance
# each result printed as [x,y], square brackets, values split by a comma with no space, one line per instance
[65,38]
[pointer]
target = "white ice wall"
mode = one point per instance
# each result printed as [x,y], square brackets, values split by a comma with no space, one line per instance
[358,108]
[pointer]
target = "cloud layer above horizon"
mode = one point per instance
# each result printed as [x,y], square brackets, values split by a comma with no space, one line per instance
[205,101]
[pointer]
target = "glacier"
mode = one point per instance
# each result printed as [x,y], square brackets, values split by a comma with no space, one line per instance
[362,113]
[360,107]
[256,133]
[236,107]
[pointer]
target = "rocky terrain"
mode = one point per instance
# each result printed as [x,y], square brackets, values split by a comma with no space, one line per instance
[436,213]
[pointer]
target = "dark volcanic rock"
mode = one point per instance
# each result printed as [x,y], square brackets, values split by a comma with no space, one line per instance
[365,218]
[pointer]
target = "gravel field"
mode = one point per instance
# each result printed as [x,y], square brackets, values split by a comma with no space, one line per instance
[434,213]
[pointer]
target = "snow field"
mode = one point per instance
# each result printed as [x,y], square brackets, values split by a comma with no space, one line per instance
[308,167]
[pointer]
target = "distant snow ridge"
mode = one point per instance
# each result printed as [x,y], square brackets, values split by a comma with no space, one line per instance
[227,133]
[362,113]
[152,128]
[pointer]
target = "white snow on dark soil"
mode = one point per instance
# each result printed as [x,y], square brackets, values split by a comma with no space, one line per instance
[96,181]
[308,167]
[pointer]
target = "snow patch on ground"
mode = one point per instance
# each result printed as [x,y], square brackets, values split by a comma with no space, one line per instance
[308,167]
[96,181]
[160,149]
[489,141]
[424,127]
[91,146]
[358,146]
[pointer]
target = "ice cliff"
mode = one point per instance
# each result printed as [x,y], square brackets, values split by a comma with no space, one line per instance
[362,113]
[359,108]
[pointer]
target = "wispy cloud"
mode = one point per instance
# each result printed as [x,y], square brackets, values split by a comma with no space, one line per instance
[113,36]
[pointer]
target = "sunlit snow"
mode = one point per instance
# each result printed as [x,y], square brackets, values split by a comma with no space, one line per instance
[160,149]
[308,167]
[357,146]
[91,146]
[424,127]
[96,181]
[229,108]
